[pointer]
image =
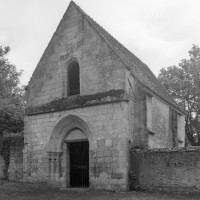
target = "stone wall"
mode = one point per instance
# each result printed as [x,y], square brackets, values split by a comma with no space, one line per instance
[170,170]
[15,170]
[109,125]
[109,164]
[138,118]
[75,39]
[154,123]
[14,148]
[160,124]
[1,167]
[112,123]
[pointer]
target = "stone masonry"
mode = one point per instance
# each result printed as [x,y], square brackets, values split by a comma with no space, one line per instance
[113,109]
[108,153]
[14,153]
[174,170]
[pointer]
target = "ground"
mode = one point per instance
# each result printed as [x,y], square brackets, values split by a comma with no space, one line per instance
[22,191]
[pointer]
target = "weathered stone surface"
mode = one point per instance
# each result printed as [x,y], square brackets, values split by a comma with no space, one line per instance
[172,170]
[1,167]
[77,101]
[101,157]
[14,152]
[113,110]
[15,170]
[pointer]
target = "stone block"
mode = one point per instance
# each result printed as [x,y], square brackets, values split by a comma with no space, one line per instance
[107,153]
[108,143]
[92,153]
[115,153]
[100,159]
[101,143]
[123,153]
[108,159]
[109,170]
[100,153]
[114,165]
[117,175]
[92,160]
[123,159]
[115,141]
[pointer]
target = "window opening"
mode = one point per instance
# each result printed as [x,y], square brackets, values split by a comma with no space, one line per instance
[73,79]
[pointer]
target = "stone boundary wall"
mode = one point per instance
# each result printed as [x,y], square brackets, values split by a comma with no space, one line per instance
[1,167]
[174,170]
[13,151]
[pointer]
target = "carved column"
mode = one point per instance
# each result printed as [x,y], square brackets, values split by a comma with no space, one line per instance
[66,174]
[58,168]
[49,167]
[54,167]
[65,163]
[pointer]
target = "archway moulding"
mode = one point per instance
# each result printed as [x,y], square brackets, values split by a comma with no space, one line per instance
[63,126]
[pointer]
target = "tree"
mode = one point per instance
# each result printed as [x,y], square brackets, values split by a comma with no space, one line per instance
[11,96]
[11,105]
[183,83]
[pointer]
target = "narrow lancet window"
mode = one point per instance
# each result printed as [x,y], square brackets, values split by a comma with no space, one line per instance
[73,79]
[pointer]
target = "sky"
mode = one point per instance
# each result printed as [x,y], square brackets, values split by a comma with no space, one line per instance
[159,32]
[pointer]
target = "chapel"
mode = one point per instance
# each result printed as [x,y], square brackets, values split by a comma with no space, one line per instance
[88,100]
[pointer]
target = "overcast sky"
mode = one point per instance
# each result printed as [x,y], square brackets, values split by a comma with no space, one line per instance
[159,32]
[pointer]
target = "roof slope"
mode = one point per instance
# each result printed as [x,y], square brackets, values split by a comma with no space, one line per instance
[137,68]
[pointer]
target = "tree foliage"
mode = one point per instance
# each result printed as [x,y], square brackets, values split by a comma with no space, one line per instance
[11,98]
[183,83]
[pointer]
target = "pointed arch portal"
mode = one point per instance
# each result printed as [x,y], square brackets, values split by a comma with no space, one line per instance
[68,152]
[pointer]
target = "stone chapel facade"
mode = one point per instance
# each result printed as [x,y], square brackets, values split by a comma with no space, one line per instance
[88,100]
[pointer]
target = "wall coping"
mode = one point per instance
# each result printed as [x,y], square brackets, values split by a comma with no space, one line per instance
[78,101]
[166,150]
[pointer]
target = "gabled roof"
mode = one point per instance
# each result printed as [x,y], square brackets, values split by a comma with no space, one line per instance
[137,68]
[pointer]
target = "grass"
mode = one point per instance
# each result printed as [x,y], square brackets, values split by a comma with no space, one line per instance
[27,191]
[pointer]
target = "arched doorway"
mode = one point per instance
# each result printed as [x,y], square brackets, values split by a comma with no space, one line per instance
[78,167]
[68,152]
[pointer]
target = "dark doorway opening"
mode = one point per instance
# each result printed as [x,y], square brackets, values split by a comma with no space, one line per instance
[79,164]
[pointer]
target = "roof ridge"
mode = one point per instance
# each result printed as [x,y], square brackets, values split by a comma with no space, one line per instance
[119,49]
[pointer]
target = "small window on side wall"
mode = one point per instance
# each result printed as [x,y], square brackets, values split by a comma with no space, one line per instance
[73,79]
